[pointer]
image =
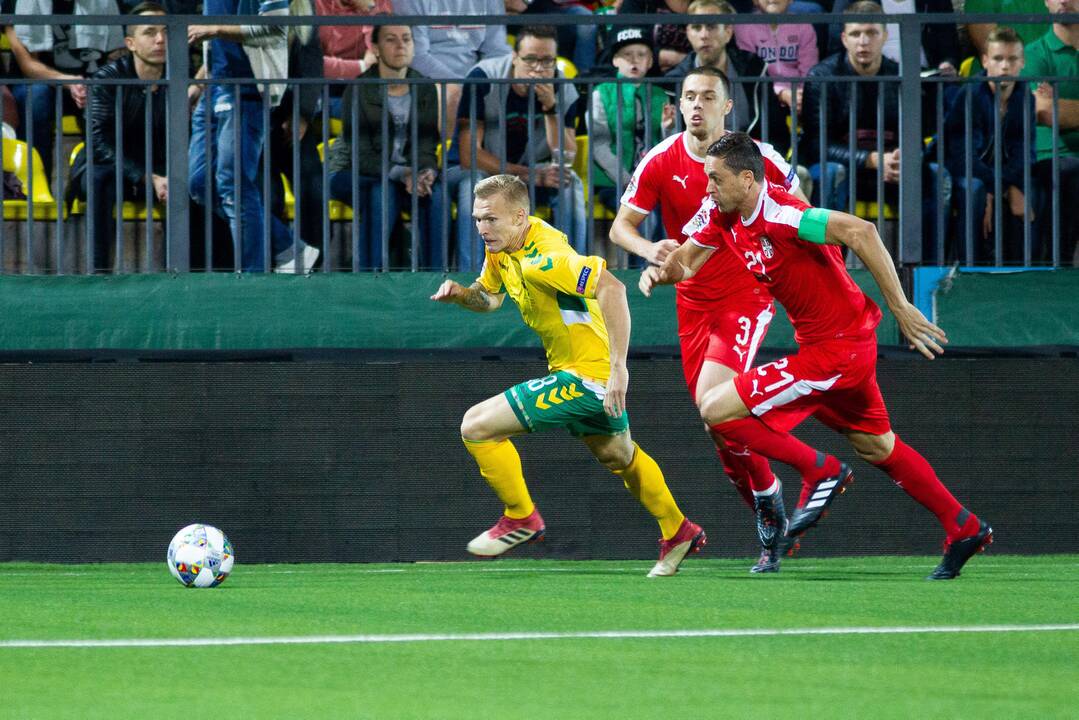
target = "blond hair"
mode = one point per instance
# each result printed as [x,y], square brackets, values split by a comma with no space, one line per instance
[724,7]
[510,187]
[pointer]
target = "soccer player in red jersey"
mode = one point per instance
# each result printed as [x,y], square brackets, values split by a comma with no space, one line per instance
[795,251]
[723,313]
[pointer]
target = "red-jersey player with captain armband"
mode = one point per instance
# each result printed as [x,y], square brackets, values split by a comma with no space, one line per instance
[795,251]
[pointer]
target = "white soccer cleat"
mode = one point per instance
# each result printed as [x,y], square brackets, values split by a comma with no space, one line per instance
[690,538]
[506,534]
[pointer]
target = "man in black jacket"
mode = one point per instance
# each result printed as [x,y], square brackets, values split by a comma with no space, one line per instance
[751,93]
[863,57]
[147,45]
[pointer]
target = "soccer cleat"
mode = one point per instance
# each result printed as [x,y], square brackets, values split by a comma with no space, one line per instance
[957,552]
[771,522]
[507,533]
[768,562]
[690,538]
[819,500]
[771,516]
[788,546]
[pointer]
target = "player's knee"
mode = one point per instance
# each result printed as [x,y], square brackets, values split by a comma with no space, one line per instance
[473,426]
[615,459]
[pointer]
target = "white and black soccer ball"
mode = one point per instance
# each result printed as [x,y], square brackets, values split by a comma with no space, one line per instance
[200,556]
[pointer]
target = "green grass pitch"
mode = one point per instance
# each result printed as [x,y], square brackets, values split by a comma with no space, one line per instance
[374,672]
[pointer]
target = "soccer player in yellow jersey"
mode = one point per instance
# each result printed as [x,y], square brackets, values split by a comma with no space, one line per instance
[580,312]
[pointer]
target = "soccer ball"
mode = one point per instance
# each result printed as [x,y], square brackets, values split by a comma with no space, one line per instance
[200,556]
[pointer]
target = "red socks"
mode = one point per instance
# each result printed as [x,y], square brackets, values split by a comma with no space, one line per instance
[915,476]
[750,432]
[747,470]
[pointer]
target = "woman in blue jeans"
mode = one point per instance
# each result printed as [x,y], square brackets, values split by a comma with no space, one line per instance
[405,105]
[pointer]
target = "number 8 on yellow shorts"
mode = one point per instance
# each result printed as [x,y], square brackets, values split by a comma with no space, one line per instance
[564,400]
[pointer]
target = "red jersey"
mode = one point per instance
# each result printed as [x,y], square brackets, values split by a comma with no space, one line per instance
[810,280]
[673,177]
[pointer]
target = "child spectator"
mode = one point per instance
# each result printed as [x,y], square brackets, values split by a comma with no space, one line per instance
[645,116]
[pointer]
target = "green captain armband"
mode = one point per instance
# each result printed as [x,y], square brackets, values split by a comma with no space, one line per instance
[813,225]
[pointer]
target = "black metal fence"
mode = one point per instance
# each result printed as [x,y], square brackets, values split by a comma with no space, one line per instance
[47,233]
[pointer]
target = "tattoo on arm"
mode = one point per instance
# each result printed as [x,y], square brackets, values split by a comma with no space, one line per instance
[476,298]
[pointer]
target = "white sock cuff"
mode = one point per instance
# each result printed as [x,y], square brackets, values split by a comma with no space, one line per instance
[772,489]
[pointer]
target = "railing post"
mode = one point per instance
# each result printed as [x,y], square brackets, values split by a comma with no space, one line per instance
[909,246]
[178,238]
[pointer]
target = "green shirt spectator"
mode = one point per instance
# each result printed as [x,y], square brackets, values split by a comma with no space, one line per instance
[1028,32]
[1049,55]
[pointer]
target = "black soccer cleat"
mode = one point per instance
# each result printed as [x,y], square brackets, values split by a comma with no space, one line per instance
[771,516]
[819,501]
[959,551]
[771,522]
[768,562]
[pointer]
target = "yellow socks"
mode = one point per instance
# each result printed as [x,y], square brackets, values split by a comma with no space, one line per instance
[644,480]
[500,466]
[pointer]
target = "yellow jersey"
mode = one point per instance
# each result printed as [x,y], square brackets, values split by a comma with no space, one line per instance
[555,289]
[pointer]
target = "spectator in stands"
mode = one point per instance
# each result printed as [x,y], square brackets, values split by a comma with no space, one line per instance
[711,47]
[243,52]
[146,61]
[394,52]
[864,43]
[669,40]
[577,41]
[58,52]
[447,52]
[940,41]
[1057,53]
[979,32]
[645,115]
[507,142]
[305,60]
[787,50]
[348,50]
[1003,57]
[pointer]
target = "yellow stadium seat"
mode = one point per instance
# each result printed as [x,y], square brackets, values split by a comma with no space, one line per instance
[17,160]
[966,67]
[338,209]
[131,210]
[336,127]
[868,210]
[70,125]
[580,166]
[566,68]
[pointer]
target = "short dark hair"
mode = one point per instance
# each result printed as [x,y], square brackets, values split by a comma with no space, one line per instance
[739,153]
[540,32]
[148,7]
[864,7]
[1003,34]
[377,28]
[711,72]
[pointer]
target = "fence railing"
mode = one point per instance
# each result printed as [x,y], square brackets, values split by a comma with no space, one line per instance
[279,198]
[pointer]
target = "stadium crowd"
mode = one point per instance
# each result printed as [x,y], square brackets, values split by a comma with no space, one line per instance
[405,147]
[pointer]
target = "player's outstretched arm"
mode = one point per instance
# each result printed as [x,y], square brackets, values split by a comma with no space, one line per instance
[681,264]
[625,234]
[611,296]
[862,238]
[473,298]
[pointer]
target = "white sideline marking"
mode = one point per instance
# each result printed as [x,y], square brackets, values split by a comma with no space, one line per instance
[496,637]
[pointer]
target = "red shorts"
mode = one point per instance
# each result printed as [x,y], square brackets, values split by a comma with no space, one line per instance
[835,382]
[730,334]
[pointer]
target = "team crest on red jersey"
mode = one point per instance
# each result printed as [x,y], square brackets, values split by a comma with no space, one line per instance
[766,246]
